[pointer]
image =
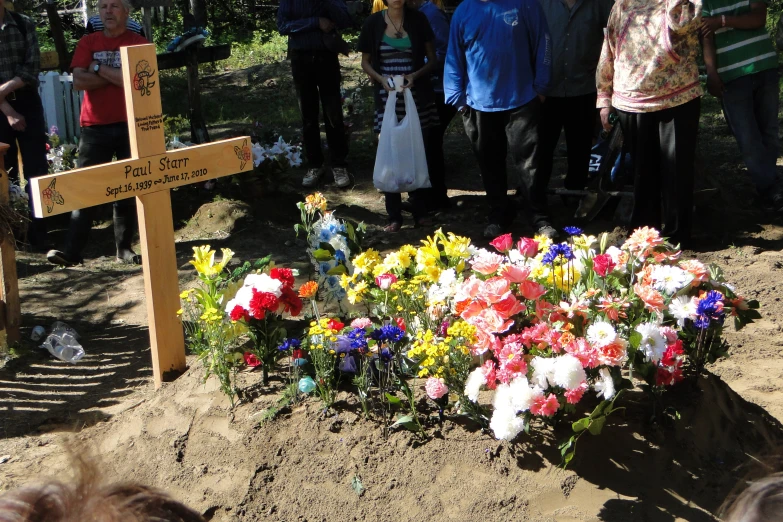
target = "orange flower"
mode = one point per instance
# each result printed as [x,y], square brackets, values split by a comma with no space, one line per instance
[697,269]
[642,239]
[308,290]
[653,300]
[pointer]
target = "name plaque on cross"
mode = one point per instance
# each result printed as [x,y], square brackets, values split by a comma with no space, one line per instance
[147,175]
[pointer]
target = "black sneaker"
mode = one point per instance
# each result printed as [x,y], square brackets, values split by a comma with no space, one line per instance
[57,257]
[129,257]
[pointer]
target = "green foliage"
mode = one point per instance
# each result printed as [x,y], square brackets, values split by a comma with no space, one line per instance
[593,423]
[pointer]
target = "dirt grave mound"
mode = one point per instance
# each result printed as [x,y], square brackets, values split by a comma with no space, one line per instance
[308,465]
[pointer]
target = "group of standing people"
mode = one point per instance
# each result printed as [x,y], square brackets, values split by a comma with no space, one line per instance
[104,131]
[521,71]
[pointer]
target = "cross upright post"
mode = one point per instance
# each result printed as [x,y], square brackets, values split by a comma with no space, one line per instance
[148,175]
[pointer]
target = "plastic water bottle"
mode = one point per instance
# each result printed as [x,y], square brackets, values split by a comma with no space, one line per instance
[62,343]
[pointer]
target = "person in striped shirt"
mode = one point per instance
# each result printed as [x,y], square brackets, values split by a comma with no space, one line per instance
[742,69]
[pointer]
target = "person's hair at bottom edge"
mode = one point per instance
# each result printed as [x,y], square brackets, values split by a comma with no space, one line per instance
[88,498]
[761,501]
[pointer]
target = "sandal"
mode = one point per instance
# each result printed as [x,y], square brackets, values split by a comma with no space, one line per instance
[393,227]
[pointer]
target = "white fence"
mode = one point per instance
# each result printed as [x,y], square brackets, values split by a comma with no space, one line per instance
[62,105]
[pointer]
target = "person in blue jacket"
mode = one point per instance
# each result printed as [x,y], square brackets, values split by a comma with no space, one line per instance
[316,73]
[498,65]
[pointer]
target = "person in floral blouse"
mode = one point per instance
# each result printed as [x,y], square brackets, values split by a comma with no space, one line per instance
[648,75]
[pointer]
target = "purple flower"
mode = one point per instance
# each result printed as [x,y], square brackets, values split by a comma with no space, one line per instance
[387,333]
[554,251]
[572,231]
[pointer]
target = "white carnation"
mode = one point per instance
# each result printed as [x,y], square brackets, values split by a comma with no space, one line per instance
[605,385]
[543,371]
[242,298]
[601,333]
[568,372]
[669,279]
[653,343]
[683,308]
[264,283]
[473,385]
[505,424]
[522,394]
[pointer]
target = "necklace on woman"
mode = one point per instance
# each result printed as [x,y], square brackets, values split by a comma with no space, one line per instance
[397,30]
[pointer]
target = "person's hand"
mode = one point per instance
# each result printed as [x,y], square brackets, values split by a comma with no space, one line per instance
[17,121]
[710,25]
[715,85]
[408,81]
[605,112]
[326,25]
[388,84]
[91,68]
[462,109]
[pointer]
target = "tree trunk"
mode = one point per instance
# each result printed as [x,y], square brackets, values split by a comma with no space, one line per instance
[57,35]
[199,10]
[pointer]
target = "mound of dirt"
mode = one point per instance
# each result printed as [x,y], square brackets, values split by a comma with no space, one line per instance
[214,220]
[308,465]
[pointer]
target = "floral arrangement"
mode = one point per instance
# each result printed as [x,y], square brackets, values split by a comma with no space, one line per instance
[330,244]
[279,156]
[543,325]
[233,319]
[61,156]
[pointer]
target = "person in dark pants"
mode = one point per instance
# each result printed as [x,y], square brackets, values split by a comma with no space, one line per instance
[497,67]
[658,107]
[316,73]
[22,121]
[438,198]
[399,42]
[742,71]
[577,30]
[97,70]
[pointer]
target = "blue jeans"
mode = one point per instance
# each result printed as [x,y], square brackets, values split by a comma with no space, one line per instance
[750,104]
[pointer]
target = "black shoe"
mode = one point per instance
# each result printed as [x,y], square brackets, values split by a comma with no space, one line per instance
[776,202]
[56,257]
[129,257]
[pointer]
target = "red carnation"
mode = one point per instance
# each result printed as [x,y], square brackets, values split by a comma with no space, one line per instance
[665,377]
[503,243]
[291,301]
[238,313]
[335,324]
[672,353]
[284,275]
[263,302]
[252,360]
[297,354]
[603,264]
[401,323]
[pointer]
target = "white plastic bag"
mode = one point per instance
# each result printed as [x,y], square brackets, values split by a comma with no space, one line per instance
[401,163]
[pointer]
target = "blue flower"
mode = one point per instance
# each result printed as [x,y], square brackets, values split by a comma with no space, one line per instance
[554,251]
[289,344]
[386,354]
[388,333]
[342,344]
[572,231]
[347,364]
[339,255]
[325,235]
[325,266]
[358,339]
[710,308]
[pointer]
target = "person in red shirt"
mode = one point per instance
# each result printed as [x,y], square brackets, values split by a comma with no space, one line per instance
[97,71]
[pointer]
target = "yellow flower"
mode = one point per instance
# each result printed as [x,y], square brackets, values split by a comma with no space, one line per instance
[346,281]
[544,242]
[356,293]
[563,277]
[366,261]
[454,246]
[408,251]
[315,201]
[204,260]
[185,294]
[179,312]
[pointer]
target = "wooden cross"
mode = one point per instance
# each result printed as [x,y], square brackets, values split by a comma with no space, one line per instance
[148,176]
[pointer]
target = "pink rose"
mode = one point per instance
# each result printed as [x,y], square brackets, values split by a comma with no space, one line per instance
[527,247]
[514,274]
[435,388]
[545,406]
[502,243]
[361,322]
[492,321]
[531,290]
[603,264]
[384,281]
[486,263]
[509,306]
[494,289]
